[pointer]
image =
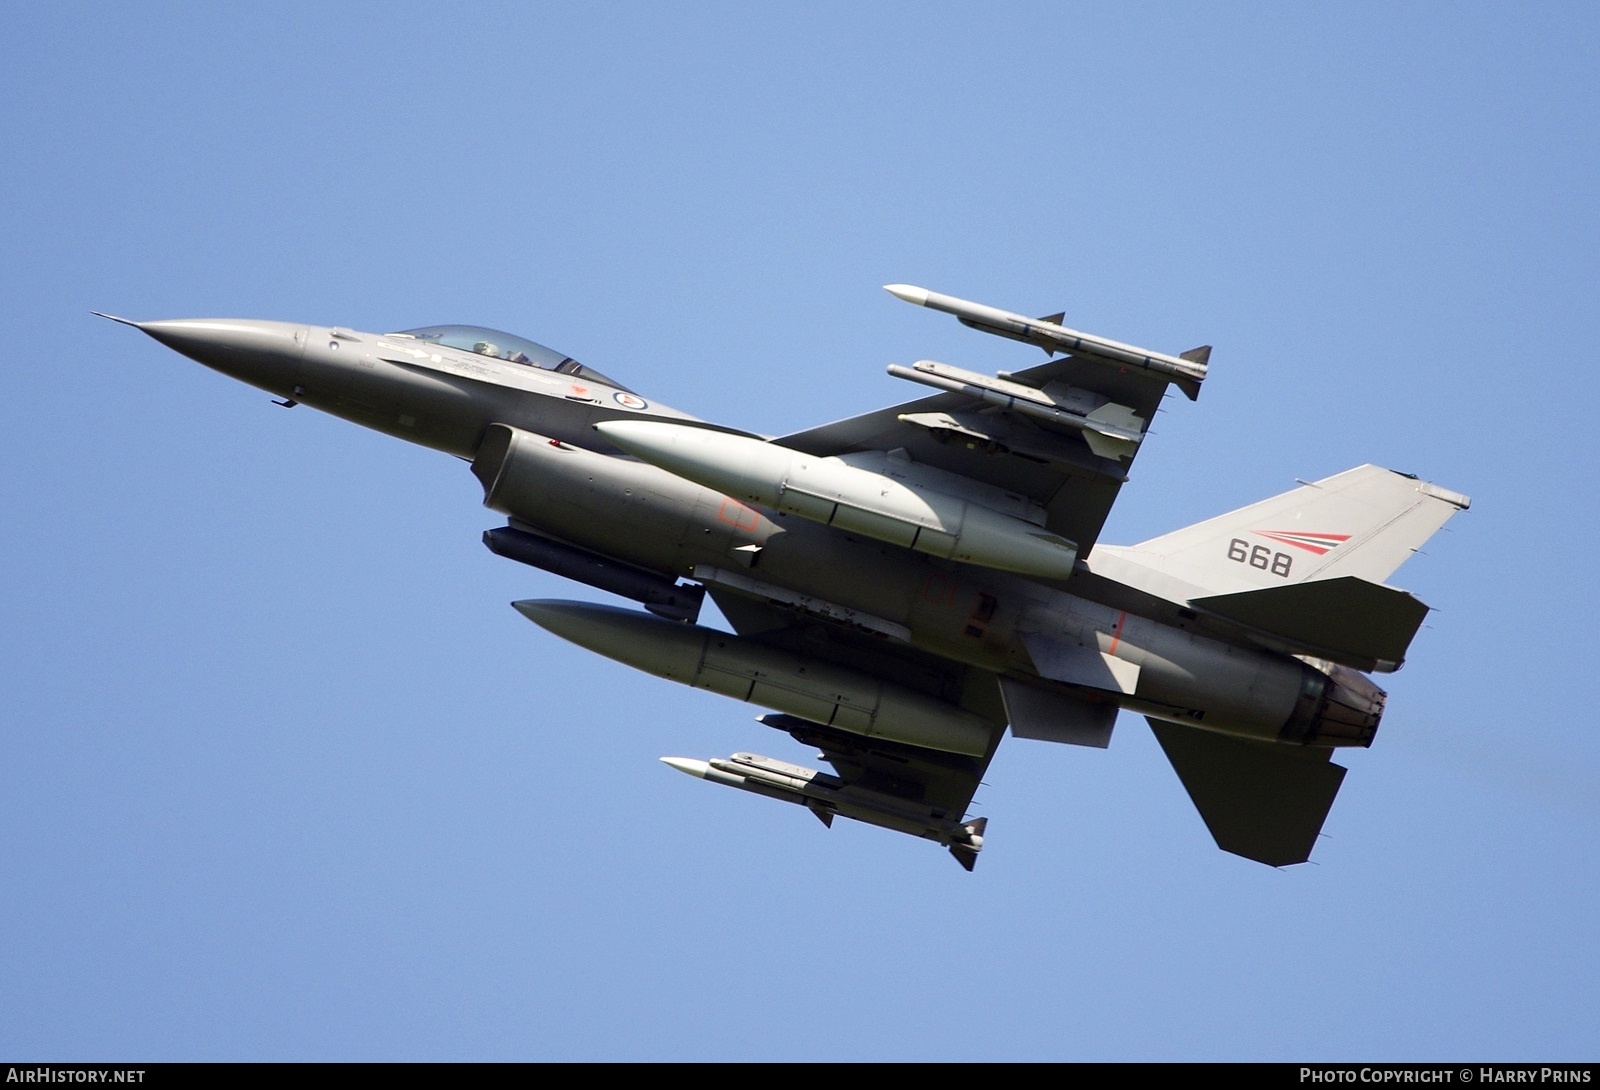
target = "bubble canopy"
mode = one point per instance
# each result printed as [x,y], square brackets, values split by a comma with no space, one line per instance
[505,346]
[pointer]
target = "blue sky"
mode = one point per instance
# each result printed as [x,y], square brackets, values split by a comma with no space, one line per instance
[285,778]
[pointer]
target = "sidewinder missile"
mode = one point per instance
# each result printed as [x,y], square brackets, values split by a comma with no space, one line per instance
[828,797]
[903,512]
[1187,370]
[744,669]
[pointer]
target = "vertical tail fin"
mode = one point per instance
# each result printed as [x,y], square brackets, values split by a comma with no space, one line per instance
[1364,522]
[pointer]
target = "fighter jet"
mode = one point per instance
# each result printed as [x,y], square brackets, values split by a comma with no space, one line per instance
[905,585]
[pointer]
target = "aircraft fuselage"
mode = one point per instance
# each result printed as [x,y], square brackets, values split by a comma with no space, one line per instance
[530,435]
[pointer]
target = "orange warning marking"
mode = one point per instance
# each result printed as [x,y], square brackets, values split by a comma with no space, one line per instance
[737,514]
[1116,633]
[939,590]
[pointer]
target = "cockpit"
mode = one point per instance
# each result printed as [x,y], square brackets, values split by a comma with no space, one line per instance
[505,346]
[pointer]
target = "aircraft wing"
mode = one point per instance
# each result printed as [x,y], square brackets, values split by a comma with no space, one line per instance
[922,791]
[1063,434]
[944,781]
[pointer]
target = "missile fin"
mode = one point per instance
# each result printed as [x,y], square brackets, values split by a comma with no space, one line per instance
[966,852]
[1054,319]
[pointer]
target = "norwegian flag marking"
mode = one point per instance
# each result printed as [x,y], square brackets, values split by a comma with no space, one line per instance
[1311,543]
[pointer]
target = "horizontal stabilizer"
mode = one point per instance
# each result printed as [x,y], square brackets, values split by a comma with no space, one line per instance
[1347,619]
[1262,800]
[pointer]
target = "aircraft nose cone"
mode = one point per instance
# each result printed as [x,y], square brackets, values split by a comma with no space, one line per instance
[264,354]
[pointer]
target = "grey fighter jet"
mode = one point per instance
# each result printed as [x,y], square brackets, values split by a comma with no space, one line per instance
[906,584]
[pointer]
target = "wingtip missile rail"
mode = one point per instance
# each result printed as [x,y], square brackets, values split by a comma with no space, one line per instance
[1187,370]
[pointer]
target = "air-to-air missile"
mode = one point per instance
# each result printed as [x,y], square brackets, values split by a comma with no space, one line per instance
[1186,371]
[829,796]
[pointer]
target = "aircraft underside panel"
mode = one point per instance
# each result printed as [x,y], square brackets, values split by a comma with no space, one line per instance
[1051,715]
[1074,664]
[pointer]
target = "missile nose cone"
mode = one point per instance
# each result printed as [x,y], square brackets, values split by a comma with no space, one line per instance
[688,766]
[909,292]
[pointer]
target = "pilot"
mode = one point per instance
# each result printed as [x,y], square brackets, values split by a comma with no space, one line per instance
[485,348]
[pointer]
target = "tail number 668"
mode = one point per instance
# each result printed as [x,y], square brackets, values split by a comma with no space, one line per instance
[1259,556]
